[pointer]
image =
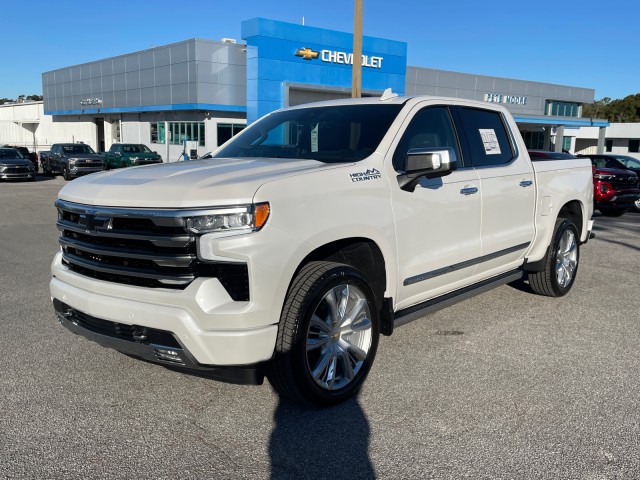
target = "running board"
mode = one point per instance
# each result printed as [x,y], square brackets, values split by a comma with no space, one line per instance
[402,317]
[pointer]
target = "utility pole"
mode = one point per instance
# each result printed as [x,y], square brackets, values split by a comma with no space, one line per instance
[356,75]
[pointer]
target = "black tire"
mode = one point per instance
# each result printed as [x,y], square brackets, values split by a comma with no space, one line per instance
[636,206]
[312,291]
[613,211]
[65,174]
[560,263]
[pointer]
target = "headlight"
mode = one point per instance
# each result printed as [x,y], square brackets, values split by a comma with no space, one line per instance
[602,176]
[245,218]
[72,161]
[133,159]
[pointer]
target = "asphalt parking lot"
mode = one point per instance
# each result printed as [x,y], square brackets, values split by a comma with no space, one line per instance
[504,385]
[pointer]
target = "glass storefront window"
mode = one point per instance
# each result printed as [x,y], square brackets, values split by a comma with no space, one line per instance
[563,109]
[180,131]
[228,130]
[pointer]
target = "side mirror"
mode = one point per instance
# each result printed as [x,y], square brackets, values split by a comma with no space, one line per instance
[426,162]
[118,154]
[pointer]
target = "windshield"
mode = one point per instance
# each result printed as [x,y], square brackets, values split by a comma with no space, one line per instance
[79,148]
[10,153]
[136,149]
[342,133]
[628,162]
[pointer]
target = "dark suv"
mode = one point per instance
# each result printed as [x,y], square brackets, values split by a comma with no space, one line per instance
[619,162]
[24,151]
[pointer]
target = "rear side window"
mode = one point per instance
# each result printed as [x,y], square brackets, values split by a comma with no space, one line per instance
[487,137]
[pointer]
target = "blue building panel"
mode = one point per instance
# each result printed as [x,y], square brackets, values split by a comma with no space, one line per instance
[297,54]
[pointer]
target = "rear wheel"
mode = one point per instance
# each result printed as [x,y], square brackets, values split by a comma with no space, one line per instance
[560,262]
[328,335]
[612,211]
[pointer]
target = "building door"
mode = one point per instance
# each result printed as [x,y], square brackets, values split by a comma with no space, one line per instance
[100,134]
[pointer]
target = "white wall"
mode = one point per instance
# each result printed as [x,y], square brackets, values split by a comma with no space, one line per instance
[25,124]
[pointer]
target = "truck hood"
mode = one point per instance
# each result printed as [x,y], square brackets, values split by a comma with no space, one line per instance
[186,184]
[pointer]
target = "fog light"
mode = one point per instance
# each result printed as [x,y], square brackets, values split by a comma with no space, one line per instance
[168,355]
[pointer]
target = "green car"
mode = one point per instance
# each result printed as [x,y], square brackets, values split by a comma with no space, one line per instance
[128,155]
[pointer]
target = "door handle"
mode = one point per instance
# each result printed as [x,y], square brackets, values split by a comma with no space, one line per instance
[469,190]
[526,183]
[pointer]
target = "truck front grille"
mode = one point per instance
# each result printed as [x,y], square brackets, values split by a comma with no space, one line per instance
[142,247]
[621,182]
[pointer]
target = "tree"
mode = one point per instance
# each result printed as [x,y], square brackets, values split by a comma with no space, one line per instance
[620,111]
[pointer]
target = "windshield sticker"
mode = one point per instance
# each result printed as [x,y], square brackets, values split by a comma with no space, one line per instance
[370,174]
[490,141]
[314,138]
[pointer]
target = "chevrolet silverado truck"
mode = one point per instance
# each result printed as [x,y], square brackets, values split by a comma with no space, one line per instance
[310,234]
[71,160]
[122,155]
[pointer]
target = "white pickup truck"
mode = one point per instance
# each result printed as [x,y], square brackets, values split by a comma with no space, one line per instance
[311,233]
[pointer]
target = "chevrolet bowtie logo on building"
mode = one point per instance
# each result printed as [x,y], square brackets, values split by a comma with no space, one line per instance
[307,53]
[342,58]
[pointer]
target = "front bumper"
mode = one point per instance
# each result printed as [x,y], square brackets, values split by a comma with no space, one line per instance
[152,345]
[79,171]
[17,176]
[202,318]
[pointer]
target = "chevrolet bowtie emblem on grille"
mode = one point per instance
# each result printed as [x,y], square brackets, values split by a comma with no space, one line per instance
[91,222]
[307,53]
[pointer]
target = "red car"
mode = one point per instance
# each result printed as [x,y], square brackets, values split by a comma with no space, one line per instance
[614,190]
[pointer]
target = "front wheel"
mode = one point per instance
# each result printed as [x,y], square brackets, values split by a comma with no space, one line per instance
[636,206]
[65,174]
[328,335]
[560,262]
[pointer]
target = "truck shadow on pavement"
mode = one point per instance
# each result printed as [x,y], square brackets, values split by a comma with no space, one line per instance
[312,443]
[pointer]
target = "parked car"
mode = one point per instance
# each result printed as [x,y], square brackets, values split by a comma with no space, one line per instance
[620,162]
[129,154]
[14,166]
[615,190]
[24,151]
[71,160]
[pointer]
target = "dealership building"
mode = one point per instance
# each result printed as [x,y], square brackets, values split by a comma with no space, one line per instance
[199,92]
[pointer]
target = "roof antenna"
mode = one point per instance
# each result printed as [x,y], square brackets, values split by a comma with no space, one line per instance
[387,95]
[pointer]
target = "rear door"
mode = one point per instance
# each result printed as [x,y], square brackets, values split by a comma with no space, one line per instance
[507,188]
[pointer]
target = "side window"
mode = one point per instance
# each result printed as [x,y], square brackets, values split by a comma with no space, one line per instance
[431,127]
[599,162]
[487,137]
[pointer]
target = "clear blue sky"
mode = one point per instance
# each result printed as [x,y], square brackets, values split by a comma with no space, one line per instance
[583,43]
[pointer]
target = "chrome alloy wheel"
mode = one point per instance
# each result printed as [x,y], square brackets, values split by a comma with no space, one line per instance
[566,258]
[339,337]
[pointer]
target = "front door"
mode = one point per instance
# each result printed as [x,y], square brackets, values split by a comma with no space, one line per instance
[437,224]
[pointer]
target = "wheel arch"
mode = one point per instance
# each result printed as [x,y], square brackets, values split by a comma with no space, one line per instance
[358,252]
[574,211]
